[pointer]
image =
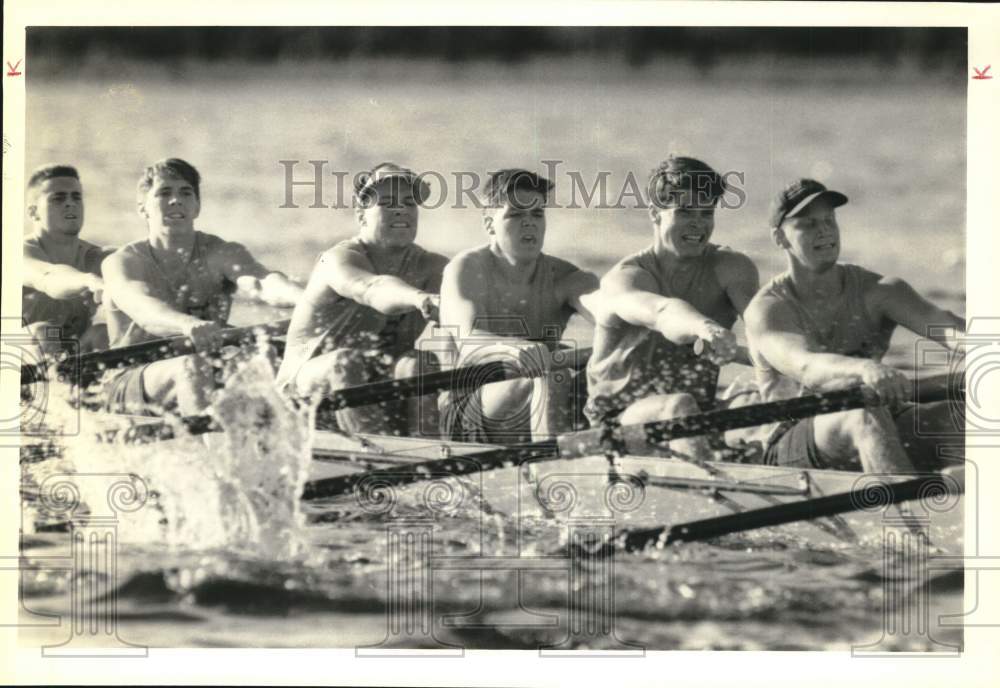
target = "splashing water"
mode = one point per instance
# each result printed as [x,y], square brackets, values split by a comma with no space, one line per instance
[236,490]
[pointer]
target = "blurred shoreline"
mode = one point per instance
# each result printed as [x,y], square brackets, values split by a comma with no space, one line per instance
[766,69]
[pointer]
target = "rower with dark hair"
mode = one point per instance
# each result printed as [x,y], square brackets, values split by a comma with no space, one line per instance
[506,300]
[655,304]
[177,281]
[62,286]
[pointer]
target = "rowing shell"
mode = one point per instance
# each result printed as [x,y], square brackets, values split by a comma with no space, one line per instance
[645,491]
[636,492]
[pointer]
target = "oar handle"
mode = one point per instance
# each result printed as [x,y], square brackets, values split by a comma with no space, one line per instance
[146,352]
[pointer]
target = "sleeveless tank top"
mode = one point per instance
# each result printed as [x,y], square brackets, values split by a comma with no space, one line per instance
[530,312]
[326,320]
[850,330]
[630,362]
[203,291]
[74,315]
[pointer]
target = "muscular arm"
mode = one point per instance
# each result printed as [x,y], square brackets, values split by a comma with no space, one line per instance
[130,293]
[351,275]
[773,331]
[895,299]
[740,279]
[576,288]
[256,281]
[630,295]
[58,281]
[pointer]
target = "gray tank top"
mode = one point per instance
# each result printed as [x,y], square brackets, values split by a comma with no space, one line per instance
[326,320]
[203,290]
[632,362]
[512,310]
[850,331]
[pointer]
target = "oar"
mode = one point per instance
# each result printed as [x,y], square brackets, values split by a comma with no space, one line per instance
[456,379]
[462,378]
[888,493]
[590,442]
[146,352]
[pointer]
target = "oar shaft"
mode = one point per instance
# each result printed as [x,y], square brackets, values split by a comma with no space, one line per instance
[428,470]
[779,514]
[587,442]
[591,442]
[456,379]
[147,352]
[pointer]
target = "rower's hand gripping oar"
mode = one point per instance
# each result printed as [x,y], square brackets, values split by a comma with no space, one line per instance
[596,441]
[90,365]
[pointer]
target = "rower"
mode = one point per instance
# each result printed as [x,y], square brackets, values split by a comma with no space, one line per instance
[657,303]
[368,300]
[506,300]
[62,273]
[825,325]
[177,281]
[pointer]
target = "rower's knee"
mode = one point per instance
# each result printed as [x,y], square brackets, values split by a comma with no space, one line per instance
[660,407]
[676,405]
[344,368]
[411,365]
[844,432]
[859,422]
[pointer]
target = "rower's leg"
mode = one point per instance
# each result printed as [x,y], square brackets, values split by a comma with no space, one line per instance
[933,437]
[422,415]
[47,338]
[504,410]
[665,407]
[555,400]
[184,383]
[866,433]
[95,338]
[338,369]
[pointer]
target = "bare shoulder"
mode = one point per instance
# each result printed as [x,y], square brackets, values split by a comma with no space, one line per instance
[123,261]
[627,275]
[765,311]
[734,266]
[217,246]
[561,267]
[882,291]
[33,249]
[469,260]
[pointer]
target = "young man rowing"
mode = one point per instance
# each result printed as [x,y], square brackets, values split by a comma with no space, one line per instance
[62,273]
[655,304]
[368,300]
[177,281]
[825,325]
[507,300]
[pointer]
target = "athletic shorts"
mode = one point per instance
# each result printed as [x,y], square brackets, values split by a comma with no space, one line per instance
[123,391]
[460,420]
[793,445]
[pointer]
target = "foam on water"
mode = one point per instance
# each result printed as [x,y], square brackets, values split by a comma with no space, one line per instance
[236,490]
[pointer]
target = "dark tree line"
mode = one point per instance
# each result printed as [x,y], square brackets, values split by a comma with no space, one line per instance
[942,48]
